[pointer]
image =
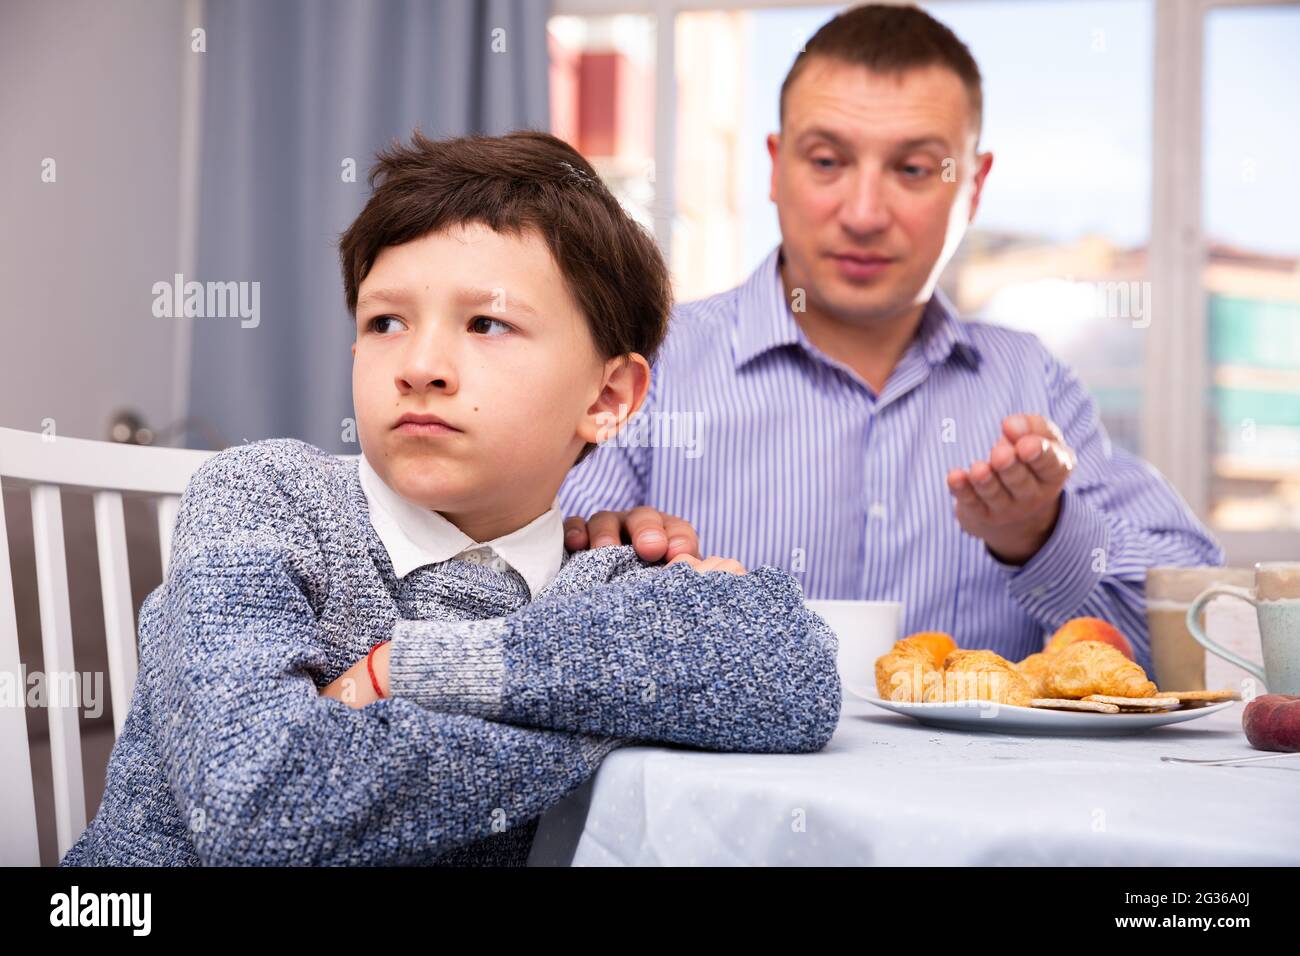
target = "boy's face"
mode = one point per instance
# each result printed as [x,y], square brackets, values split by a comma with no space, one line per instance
[479,329]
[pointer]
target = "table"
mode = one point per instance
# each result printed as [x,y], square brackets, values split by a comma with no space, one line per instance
[887,790]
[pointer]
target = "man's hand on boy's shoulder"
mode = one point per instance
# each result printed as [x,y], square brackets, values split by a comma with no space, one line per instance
[652,533]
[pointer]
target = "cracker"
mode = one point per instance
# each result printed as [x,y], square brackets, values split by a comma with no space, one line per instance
[1207,696]
[1137,703]
[1055,703]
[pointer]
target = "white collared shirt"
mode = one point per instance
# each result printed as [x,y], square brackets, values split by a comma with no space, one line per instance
[416,536]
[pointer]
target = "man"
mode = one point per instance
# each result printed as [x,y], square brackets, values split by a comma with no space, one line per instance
[848,416]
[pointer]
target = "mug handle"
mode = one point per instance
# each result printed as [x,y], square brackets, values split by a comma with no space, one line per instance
[1194,626]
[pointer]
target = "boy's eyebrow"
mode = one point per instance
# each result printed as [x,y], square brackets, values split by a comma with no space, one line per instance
[392,296]
[492,296]
[465,296]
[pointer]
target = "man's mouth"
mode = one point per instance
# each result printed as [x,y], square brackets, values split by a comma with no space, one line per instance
[861,265]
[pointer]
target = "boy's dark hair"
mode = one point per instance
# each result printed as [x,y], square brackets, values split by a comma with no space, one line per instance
[891,39]
[513,183]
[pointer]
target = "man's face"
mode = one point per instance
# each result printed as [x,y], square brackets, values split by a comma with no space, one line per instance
[479,329]
[875,178]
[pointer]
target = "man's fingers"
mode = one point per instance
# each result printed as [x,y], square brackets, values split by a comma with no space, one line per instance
[714,563]
[603,528]
[1046,427]
[645,528]
[1050,461]
[682,538]
[961,488]
[1015,475]
[655,535]
[1015,427]
[575,533]
[989,486]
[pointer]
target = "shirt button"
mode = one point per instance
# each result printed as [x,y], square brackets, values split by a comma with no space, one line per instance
[1038,591]
[878,510]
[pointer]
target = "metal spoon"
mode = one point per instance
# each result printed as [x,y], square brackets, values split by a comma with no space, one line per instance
[1228,760]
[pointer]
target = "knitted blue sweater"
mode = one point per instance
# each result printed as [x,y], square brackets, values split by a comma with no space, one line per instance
[500,705]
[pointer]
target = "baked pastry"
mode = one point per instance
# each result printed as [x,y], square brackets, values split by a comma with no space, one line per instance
[1084,668]
[909,672]
[1035,668]
[984,675]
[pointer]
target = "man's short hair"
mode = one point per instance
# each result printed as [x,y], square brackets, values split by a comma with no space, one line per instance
[526,180]
[891,39]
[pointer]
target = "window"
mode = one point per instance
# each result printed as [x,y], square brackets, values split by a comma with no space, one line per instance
[602,101]
[1138,145]
[1251,215]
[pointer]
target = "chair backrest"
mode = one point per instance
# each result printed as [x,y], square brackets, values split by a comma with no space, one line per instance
[48,464]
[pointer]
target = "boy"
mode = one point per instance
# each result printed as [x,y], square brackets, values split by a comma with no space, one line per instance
[394,660]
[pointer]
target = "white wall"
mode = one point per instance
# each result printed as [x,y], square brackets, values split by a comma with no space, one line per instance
[96,85]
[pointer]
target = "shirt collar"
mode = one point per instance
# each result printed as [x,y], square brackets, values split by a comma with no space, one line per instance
[766,322]
[415,536]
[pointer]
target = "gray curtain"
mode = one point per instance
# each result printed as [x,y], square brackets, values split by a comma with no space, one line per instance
[292,89]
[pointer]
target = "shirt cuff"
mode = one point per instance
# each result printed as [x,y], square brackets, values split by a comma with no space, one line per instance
[457,667]
[1055,582]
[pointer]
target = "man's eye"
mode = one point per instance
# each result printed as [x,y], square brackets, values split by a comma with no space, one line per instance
[823,162]
[913,171]
[373,324]
[475,324]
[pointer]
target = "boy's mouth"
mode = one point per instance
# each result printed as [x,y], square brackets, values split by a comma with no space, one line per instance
[414,424]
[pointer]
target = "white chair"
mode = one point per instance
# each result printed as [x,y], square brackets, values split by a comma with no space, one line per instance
[47,464]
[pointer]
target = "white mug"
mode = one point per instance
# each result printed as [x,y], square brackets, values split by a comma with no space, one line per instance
[866,630]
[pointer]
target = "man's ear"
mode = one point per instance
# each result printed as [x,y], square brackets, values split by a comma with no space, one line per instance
[984,162]
[773,148]
[623,390]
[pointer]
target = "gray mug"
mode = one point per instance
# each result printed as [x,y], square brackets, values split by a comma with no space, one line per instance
[1276,599]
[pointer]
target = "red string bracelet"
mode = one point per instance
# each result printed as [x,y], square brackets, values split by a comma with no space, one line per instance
[370,666]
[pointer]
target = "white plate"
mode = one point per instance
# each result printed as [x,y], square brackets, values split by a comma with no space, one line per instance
[1006,719]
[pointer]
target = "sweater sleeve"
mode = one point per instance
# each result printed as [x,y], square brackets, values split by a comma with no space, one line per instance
[264,769]
[664,654]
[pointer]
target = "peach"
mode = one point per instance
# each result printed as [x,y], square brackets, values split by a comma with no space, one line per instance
[1089,629]
[936,643]
[1272,722]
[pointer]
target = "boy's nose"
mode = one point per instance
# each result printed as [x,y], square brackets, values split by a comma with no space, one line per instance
[428,366]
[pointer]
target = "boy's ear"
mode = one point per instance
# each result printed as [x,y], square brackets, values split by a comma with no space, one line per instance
[624,386]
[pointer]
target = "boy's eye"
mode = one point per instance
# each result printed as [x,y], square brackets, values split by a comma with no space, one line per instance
[476,324]
[373,324]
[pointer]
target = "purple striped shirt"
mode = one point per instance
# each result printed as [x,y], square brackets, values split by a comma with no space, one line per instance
[779,455]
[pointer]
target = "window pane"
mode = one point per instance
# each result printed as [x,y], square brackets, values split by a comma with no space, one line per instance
[602,100]
[1058,246]
[1251,214]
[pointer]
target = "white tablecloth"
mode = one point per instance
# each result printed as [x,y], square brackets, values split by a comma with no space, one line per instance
[887,790]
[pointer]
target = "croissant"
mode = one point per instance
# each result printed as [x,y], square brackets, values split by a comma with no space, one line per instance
[984,675]
[1093,667]
[1035,668]
[901,675]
